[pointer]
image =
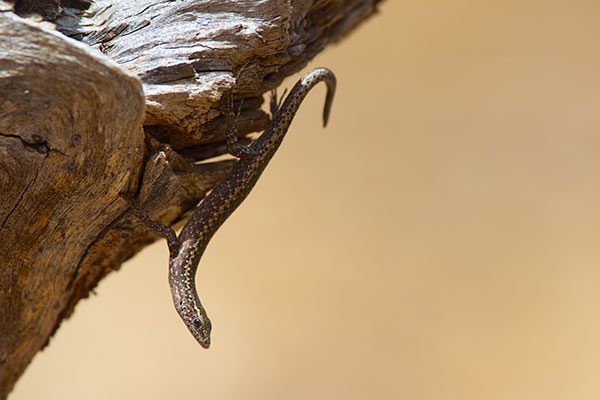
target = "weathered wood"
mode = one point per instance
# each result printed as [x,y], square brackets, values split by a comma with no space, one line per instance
[128,108]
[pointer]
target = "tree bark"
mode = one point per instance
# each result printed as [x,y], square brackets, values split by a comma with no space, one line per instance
[124,99]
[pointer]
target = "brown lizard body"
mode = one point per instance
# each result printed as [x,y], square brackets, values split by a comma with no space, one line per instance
[187,249]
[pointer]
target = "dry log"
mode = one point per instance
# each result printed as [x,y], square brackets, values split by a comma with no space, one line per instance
[124,98]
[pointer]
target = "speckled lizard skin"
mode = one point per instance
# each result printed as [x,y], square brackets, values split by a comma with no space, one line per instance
[187,249]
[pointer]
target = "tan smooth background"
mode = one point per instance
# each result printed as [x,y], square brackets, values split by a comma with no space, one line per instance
[439,240]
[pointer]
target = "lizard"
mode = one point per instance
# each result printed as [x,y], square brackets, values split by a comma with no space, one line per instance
[187,248]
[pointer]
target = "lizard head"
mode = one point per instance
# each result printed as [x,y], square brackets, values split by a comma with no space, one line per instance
[186,301]
[200,327]
[193,315]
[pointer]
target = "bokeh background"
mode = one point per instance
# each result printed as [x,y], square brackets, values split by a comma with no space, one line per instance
[439,240]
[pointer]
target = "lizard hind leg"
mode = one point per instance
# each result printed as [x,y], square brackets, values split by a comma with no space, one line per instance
[275,103]
[235,148]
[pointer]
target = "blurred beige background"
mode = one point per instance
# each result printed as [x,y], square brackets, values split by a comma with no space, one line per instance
[439,240]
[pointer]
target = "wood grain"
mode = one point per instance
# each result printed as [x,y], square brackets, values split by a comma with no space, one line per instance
[123,98]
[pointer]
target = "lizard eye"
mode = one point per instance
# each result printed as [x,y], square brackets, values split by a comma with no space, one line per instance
[197,323]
